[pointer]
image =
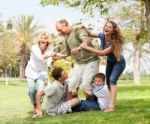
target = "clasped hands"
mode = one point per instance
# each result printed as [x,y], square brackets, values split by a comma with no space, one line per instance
[75,51]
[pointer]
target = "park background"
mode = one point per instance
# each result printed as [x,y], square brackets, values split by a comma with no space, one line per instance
[22,20]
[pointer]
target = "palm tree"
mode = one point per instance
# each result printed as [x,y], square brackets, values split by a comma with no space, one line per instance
[26,31]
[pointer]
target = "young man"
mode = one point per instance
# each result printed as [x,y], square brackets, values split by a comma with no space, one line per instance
[56,93]
[100,91]
[87,63]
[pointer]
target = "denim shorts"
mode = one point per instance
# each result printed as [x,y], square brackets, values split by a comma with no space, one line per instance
[113,71]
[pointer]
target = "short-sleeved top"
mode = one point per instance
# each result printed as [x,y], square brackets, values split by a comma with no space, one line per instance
[36,66]
[55,93]
[103,95]
[111,57]
[73,40]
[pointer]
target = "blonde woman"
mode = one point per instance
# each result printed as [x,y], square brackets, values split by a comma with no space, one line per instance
[112,46]
[36,70]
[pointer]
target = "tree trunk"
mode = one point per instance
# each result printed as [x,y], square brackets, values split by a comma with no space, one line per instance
[137,49]
[147,15]
[136,63]
[6,77]
[23,60]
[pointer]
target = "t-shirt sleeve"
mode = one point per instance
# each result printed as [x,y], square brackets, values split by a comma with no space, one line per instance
[83,35]
[50,90]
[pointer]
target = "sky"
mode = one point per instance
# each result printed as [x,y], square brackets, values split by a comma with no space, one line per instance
[46,16]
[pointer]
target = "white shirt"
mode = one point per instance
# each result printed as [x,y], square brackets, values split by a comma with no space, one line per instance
[36,65]
[103,95]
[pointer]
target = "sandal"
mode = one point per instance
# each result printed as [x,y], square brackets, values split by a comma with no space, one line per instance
[109,109]
[37,115]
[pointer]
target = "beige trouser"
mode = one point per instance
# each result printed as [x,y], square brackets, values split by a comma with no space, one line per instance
[83,73]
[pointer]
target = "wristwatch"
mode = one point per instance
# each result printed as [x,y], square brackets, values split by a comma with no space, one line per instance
[79,49]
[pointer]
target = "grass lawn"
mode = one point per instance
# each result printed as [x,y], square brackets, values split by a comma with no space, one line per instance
[133,106]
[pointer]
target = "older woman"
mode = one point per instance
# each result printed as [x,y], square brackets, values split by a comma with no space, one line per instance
[36,70]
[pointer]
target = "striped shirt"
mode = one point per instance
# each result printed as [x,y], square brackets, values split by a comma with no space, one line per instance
[103,95]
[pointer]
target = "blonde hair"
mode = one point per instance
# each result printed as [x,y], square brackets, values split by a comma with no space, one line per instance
[47,35]
[117,40]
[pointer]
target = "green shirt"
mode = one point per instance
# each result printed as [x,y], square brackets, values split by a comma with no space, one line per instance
[73,40]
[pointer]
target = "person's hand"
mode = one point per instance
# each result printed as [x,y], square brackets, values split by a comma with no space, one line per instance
[61,55]
[83,45]
[54,56]
[78,27]
[74,92]
[85,92]
[75,51]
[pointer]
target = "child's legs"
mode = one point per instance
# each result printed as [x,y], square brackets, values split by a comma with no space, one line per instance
[89,105]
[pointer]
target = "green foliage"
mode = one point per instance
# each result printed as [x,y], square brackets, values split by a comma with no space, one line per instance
[58,43]
[26,28]
[8,55]
[66,64]
[86,6]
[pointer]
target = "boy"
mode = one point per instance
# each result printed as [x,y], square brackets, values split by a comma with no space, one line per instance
[56,94]
[100,90]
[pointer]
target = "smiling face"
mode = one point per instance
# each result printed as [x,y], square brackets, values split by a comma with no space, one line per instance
[99,81]
[43,40]
[64,76]
[62,28]
[108,29]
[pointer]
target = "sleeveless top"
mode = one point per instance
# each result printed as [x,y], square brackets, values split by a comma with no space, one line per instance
[110,57]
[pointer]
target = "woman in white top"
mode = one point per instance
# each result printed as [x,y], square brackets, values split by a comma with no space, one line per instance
[36,70]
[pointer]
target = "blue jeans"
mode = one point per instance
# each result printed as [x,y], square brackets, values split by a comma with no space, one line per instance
[34,87]
[113,71]
[86,105]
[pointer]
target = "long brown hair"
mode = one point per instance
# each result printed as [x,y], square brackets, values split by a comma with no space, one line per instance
[117,40]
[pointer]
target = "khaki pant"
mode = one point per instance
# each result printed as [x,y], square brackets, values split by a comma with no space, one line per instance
[83,73]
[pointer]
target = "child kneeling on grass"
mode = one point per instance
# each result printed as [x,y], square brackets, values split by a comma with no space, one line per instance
[56,93]
[100,91]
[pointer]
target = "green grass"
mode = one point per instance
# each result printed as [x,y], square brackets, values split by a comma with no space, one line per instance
[133,106]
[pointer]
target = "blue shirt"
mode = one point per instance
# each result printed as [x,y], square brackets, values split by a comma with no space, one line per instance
[111,57]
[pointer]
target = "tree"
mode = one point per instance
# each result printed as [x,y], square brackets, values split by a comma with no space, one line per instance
[147,14]
[134,30]
[26,31]
[8,55]
[90,6]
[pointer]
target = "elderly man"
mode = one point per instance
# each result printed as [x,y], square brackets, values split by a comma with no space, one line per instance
[87,63]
